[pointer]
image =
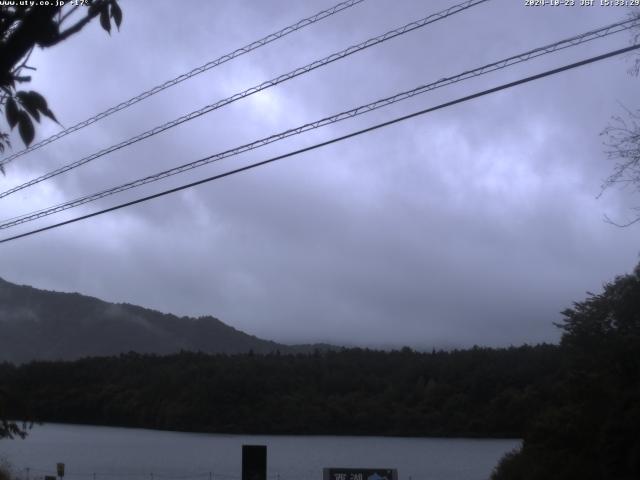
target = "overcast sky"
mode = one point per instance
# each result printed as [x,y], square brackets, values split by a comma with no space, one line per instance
[476,224]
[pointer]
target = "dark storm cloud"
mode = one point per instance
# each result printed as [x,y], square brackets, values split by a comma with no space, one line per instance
[476,224]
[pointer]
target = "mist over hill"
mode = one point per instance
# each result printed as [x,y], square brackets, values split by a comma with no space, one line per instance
[45,325]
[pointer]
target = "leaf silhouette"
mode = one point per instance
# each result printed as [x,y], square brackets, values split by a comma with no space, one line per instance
[25,128]
[40,103]
[104,20]
[12,113]
[29,103]
[116,13]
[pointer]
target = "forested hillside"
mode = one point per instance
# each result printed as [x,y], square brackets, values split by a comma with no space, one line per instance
[42,325]
[477,392]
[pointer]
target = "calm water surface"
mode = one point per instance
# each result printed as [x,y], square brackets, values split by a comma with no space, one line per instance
[106,453]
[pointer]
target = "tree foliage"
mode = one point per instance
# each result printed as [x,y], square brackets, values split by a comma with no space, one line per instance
[9,429]
[480,392]
[25,27]
[593,431]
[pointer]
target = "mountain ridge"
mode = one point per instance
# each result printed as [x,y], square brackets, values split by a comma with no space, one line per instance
[37,324]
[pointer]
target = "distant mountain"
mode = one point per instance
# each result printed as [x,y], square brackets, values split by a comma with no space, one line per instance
[44,325]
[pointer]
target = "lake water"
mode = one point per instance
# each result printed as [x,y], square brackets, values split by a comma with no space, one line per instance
[104,453]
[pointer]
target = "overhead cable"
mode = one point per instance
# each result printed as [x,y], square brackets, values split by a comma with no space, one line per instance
[329,142]
[264,85]
[185,76]
[491,67]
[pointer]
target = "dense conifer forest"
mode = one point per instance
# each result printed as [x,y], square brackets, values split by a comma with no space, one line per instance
[477,392]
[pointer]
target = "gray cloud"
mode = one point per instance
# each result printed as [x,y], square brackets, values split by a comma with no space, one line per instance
[476,224]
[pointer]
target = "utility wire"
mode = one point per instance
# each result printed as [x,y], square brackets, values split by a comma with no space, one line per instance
[269,83]
[333,140]
[491,67]
[196,71]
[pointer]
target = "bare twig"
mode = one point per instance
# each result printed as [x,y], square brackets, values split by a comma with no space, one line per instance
[80,24]
[623,146]
[66,15]
[608,220]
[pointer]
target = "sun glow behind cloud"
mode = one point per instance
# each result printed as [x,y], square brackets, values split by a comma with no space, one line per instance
[473,225]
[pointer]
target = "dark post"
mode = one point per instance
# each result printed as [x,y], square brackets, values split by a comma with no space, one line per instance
[254,462]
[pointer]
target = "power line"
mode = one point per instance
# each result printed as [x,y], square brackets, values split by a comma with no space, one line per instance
[491,67]
[185,76]
[329,142]
[264,85]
